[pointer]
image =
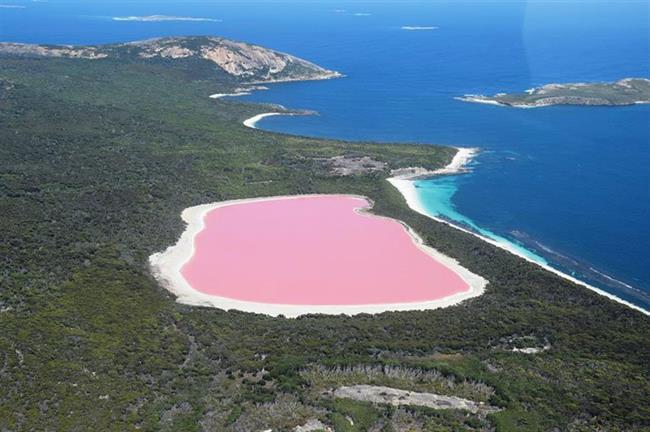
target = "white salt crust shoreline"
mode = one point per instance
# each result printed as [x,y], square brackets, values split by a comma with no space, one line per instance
[405,185]
[166,267]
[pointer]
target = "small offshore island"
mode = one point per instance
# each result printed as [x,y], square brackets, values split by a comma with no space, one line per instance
[628,91]
[110,153]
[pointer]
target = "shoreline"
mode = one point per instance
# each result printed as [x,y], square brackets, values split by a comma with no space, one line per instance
[248,89]
[405,185]
[223,95]
[252,121]
[458,165]
[240,91]
[480,99]
[326,75]
[485,100]
[166,268]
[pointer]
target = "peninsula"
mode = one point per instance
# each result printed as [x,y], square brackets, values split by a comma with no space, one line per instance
[628,91]
[236,61]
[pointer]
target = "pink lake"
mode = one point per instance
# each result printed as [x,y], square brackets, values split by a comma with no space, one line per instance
[313,250]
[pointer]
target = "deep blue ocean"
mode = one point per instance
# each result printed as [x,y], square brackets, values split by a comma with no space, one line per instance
[570,184]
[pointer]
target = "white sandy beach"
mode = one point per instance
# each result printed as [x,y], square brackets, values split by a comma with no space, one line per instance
[478,99]
[325,76]
[252,122]
[405,184]
[166,267]
[484,100]
[459,162]
[457,165]
[223,95]
[241,91]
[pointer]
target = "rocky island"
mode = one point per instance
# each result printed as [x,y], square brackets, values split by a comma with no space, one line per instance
[628,91]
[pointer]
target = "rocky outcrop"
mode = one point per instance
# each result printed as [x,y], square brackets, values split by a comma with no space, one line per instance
[345,165]
[313,425]
[397,397]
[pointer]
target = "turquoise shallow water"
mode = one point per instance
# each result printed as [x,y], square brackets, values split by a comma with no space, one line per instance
[436,196]
[568,184]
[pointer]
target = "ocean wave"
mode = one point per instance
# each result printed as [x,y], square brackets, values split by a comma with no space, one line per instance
[575,266]
[415,28]
[158,18]
[617,281]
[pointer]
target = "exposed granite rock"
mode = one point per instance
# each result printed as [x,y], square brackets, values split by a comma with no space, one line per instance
[397,397]
[313,425]
[353,165]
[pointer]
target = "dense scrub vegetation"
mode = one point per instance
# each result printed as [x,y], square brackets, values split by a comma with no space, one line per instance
[97,160]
